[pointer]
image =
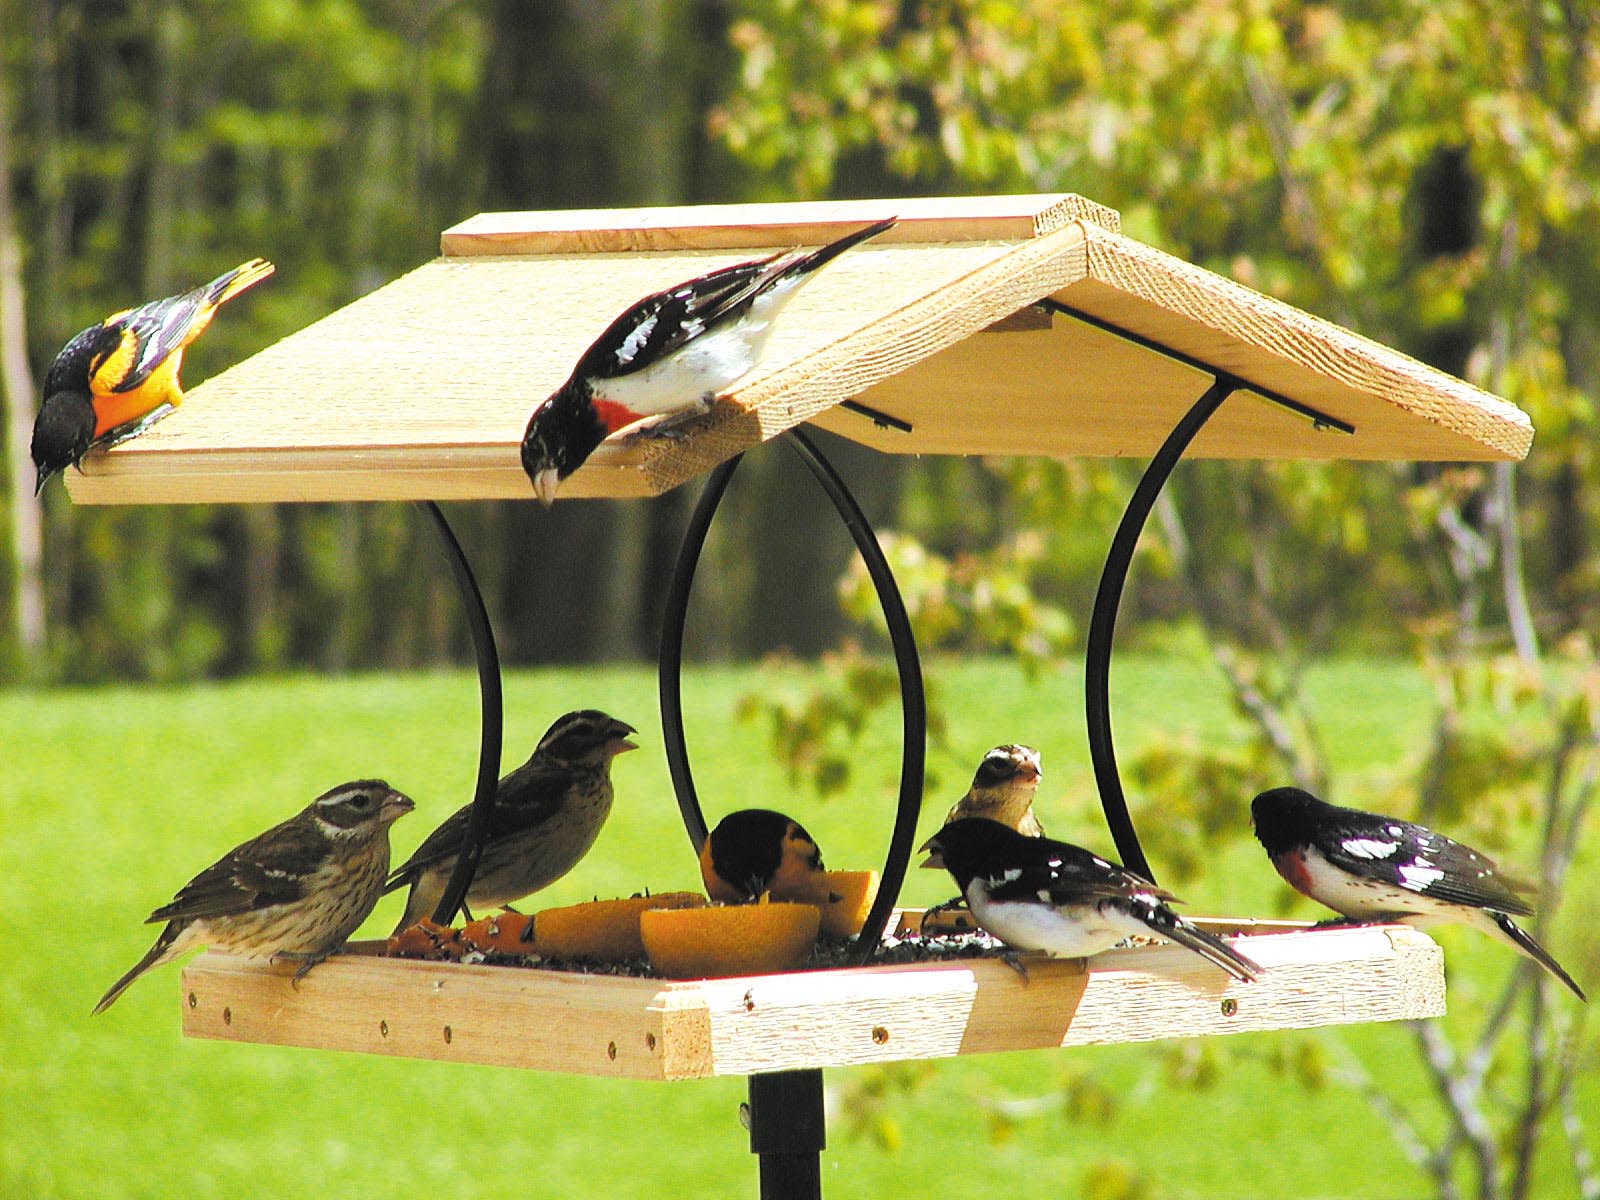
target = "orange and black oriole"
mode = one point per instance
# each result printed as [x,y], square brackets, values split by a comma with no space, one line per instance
[117,378]
[756,851]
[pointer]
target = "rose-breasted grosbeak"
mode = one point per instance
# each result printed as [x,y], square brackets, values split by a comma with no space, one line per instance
[1375,868]
[1002,790]
[296,891]
[546,815]
[1034,893]
[670,355]
[756,851]
[117,378]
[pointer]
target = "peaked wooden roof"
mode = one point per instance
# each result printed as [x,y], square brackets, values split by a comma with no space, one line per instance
[422,388]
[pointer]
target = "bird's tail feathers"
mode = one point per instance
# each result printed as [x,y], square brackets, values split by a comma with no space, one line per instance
[821,257]
[158,953]
[230,283]
[1523,941]
[1210,947]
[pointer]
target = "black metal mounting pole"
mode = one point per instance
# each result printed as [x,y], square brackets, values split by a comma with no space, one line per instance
[788,1131]
[493,717]
[1103,620]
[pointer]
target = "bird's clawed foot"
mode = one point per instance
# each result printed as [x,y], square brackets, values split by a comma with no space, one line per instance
[306,961]
[1014,960]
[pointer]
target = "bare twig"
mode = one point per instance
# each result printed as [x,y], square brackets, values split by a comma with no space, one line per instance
[1461,1096]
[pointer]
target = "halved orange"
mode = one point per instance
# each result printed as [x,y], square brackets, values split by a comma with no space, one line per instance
[856,891]
[607,930]
[731,939]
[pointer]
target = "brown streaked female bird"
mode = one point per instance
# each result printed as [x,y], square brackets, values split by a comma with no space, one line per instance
[669,356]
[546,815]
[114,380]
[754,852]
[1375,868]
[296,891]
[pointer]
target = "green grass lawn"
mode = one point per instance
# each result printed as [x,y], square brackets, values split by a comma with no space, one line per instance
[111,798]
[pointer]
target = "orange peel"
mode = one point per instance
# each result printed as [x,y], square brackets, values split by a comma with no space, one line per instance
[731,939]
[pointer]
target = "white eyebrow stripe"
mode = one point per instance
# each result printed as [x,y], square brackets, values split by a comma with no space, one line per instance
[1368,847]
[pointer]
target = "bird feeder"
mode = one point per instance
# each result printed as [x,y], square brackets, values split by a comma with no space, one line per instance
[1008,325]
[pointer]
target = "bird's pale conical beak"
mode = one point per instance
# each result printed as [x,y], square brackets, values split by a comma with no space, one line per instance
[545,484]
[395,806]
[44,478]
[933,862]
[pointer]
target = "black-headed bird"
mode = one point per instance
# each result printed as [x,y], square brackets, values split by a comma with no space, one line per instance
[1034,893]
[668,356]
[115,379]
[296,891]
[1375,868]
[546,815]
[755,852]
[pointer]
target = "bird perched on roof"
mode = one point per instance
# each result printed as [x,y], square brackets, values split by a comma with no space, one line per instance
[1034,893]
[546,815]
[1376,868]
[297,891]
[756,851]
[116,379]
[669,355]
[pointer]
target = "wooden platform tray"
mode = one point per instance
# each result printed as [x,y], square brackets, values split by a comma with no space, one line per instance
[656,1029]
[421,390]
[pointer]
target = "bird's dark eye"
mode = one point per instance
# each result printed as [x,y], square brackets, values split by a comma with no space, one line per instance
[361,801]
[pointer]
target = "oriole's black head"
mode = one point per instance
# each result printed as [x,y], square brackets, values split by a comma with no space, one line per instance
[61,434]
[561,434]
[64,428]
[976,846]
[1287,817]
[587,735]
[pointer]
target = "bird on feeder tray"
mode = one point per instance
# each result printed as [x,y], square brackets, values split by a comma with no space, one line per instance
[756,852]
[1375,868]
[546,815]
[1034,893]
[668,357]
[297,891]
[114,380]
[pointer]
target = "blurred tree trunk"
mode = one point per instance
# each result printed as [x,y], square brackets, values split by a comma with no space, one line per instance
[16,381]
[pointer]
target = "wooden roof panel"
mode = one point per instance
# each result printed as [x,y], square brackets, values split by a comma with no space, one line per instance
[422,388]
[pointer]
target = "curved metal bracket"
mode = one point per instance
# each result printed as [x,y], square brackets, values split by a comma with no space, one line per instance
[913,704]
[493,717]
[1103,620]
[669,671]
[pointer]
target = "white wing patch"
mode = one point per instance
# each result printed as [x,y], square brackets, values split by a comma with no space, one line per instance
[1368,848]
[1420,875]
[634,342]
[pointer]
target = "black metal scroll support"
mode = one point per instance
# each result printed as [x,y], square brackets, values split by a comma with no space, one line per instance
[670,667]
[786,1122]
[488,659]
[1103,621]
[913,706]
